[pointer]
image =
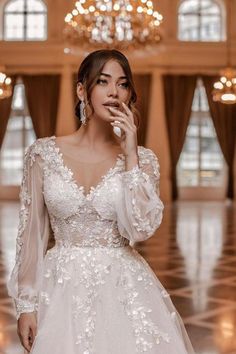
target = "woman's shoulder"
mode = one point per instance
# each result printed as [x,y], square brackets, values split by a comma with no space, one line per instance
[41,147]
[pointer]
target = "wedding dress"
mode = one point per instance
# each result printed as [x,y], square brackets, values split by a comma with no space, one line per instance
[93,292]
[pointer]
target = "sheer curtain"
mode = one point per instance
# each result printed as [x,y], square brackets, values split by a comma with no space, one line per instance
[42,94]
[179,93]
[5,111]
[224,119]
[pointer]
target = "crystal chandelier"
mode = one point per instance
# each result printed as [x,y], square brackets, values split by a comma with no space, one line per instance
[120,24]
[225,89]
[5,86]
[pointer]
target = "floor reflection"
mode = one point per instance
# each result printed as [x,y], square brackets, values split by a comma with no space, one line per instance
[199,236]
[194,256]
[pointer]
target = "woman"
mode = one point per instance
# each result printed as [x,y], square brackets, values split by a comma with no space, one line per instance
[93,292]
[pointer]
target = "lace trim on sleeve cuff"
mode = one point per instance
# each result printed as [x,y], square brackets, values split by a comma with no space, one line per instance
[134,176]
[25,306]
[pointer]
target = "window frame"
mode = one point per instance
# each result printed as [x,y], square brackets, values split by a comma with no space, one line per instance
[25,13]
[223,17]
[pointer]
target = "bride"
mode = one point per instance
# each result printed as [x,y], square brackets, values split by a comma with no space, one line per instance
[92,292]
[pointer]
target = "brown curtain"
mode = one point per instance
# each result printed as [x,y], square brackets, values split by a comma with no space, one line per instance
[5,111]
[42,94]
[224,119]
[142,84]
[179,92]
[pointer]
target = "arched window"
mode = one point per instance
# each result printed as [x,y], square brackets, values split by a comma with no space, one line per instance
[25,20]
[201,162]
[201,20]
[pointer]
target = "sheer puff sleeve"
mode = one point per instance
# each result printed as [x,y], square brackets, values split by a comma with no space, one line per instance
[139,209]
[32,237]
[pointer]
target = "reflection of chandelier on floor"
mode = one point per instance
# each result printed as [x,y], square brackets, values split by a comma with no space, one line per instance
[121,24]
[5,86]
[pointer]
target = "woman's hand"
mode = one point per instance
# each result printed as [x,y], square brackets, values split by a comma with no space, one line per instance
[26,329]
[125,121]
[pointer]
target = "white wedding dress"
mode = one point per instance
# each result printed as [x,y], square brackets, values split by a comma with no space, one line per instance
[93,292]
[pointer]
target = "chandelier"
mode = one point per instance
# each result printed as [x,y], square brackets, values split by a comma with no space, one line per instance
[5,86]
[120,24]
[225,89]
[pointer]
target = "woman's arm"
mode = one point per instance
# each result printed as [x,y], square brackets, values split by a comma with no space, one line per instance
[138,207]
[32,238]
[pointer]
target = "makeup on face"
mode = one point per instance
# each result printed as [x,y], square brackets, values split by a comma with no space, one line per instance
[111,89]
[112,104]
[122,84]
[104,79]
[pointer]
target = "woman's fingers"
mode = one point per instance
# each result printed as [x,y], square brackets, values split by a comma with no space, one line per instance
[26,330]
[124,130]
[25,340]
[122,124]
[119,116]
[33,332]
[116,111]
[127,110]
[127,113]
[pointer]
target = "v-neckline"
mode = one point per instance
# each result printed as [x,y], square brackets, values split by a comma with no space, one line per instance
[71,174]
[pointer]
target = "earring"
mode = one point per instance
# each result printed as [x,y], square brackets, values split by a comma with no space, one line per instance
[83,117]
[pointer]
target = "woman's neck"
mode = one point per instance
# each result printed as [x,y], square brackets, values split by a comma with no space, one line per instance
[96,133]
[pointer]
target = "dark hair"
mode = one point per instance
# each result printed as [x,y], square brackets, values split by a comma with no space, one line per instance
[91,68]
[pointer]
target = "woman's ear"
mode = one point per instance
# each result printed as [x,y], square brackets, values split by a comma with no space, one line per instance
[80,91]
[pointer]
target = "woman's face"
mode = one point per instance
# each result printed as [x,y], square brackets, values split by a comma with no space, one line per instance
[110,90]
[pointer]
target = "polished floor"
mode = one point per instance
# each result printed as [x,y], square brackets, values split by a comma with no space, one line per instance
[194,256]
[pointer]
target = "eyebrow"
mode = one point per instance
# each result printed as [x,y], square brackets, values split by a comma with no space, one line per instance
[108,75]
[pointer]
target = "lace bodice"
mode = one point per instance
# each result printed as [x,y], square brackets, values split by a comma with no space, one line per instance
[123,208]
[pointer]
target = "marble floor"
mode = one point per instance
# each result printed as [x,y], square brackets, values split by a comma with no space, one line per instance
[193,254]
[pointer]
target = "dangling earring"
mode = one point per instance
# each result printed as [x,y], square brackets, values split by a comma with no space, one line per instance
[83,117]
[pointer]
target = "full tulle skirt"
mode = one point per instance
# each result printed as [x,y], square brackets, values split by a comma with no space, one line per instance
[105,300]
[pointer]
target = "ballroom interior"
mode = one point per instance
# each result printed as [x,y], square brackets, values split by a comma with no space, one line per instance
[185,78]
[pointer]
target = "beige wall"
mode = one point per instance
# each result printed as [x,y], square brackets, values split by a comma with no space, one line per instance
[171,56]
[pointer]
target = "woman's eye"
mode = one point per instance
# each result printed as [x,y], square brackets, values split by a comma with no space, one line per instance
[124,84]
[101,81]
[104,82]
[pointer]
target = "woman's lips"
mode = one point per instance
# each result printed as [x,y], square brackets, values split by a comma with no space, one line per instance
[113,105]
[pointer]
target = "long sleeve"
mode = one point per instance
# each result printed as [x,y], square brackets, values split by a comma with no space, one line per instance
[139,209]
[32,237]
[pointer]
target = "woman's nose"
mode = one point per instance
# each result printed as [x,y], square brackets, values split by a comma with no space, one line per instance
[112,90]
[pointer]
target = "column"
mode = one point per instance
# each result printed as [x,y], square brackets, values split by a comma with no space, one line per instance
[66,123]
[157,137]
